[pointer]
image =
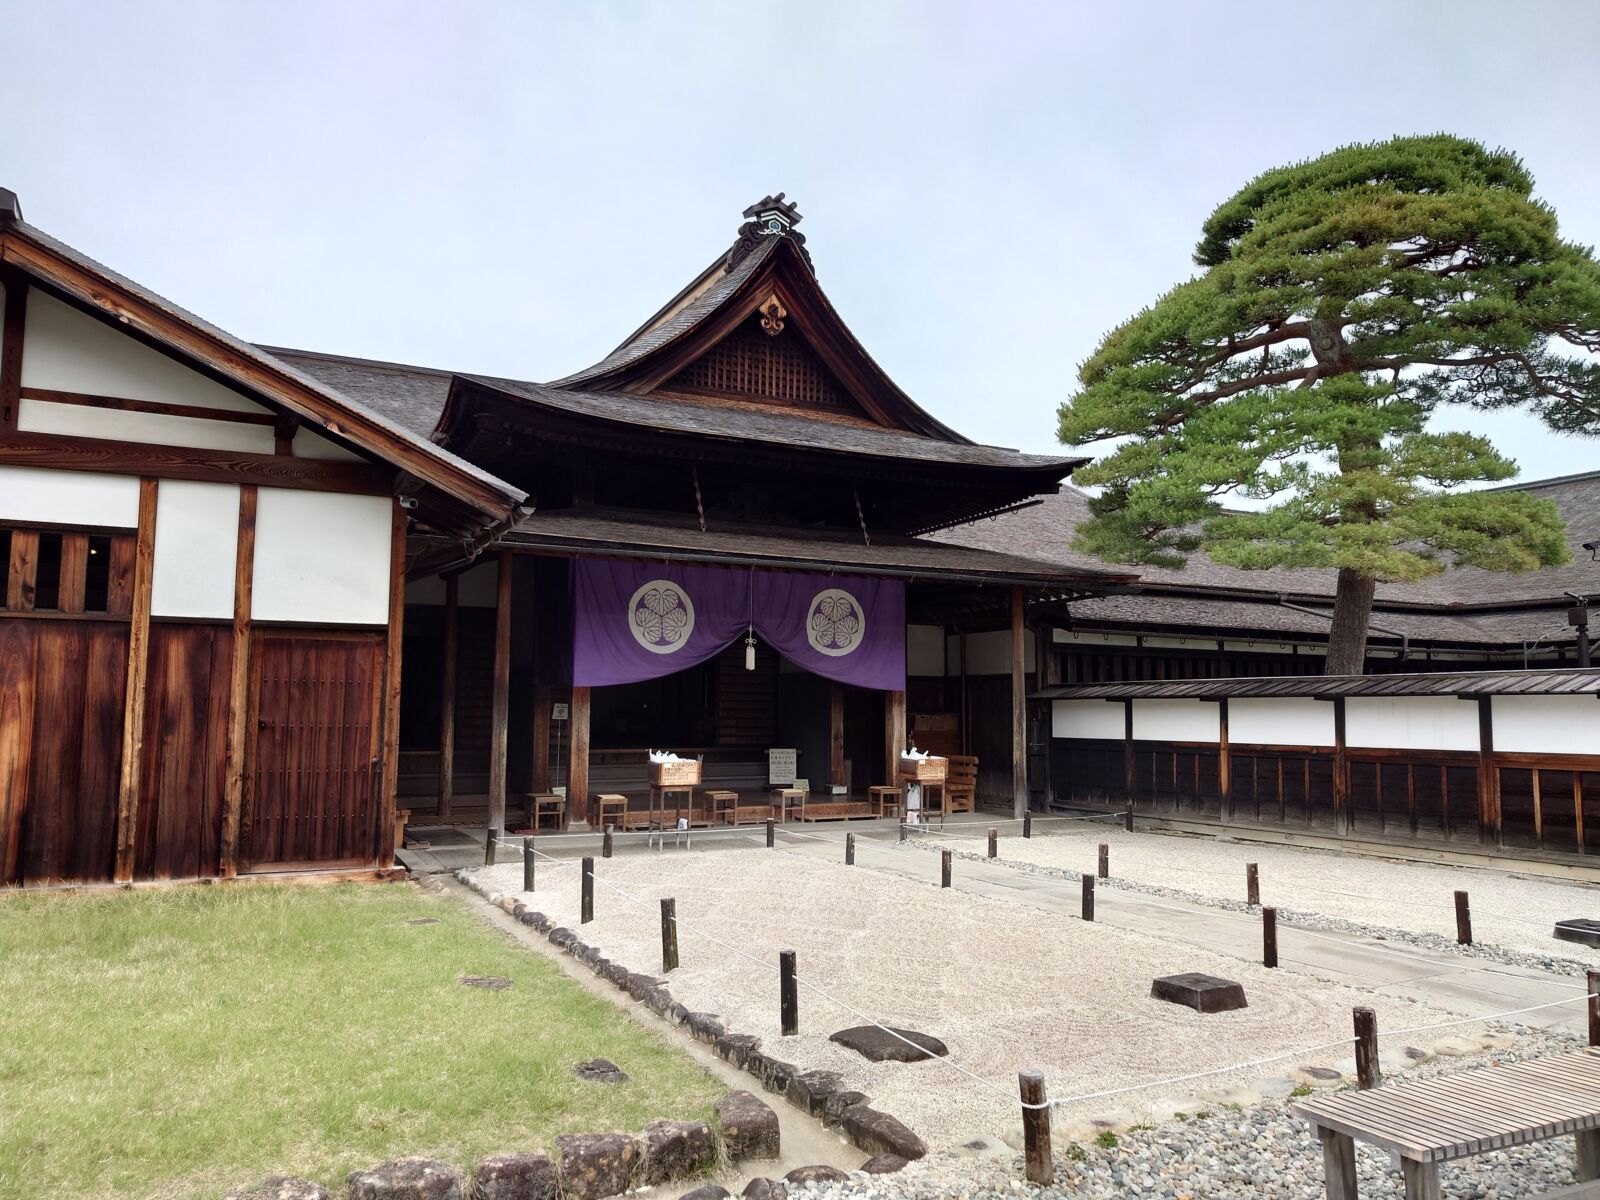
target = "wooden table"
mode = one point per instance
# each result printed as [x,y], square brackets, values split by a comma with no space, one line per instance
[658,803]
[1432,1121]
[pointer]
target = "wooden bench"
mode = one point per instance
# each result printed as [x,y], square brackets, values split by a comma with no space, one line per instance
[961,783]
[1432,1121]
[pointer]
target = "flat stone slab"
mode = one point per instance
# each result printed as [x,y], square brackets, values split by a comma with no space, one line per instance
[494,983]
[1203,993]
[876,1045]
[1579,929]
[423,921]
[600,1070]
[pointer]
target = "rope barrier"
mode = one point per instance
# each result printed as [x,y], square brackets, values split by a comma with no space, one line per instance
[1515,1012]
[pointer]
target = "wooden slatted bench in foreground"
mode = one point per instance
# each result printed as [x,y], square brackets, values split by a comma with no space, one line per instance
[1432,1121]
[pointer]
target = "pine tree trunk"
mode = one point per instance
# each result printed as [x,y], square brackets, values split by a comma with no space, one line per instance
[1352,610]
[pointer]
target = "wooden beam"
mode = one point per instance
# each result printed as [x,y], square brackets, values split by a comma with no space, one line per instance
[161,408]
[1019,710]
[389,752]
[541,737]
[578,772]
[233,794]
[181,462]
[138,664]
[74,572]
[447,697]
[12,324]
[502,694]
[836,733]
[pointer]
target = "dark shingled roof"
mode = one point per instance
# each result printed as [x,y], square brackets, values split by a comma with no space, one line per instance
[1440,683]
[409,396]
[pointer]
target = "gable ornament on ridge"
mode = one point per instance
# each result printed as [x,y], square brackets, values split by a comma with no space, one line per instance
[771,216]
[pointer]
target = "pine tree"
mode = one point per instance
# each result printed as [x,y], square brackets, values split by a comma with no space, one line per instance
[1344,301]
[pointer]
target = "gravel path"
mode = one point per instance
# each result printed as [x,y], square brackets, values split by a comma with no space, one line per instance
[1005,985]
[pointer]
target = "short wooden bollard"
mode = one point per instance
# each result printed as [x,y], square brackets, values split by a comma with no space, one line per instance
[902,831]
[1368,1075]
[994,843]
[1040,1163]
[1593,985]
[1252,885]
[944,868]
[586,907]
[490,837]
[527,864]
[788,994]
[771,841]
[1103,867]
[605,842]
[669,934]
[1027,824]
[1269,937]
[1463,920]
[849,849]
[1127,817]
[1088,897]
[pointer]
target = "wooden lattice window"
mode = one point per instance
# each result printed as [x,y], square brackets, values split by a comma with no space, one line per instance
[751,364]
[65,571]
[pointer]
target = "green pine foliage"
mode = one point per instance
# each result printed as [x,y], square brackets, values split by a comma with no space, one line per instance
[1344,301]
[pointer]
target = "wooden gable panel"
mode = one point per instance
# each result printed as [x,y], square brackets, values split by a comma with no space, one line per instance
[753,364]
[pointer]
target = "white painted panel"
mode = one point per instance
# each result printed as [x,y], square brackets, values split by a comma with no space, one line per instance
[1547,724]
[1176,721]
[1411,722]
[321,557]
[1088,719]
[31,494]
[1280,722]
[925,650]
[197,539]
[313,445]
[161,429]
[990,653]
[478,588]
[69,351]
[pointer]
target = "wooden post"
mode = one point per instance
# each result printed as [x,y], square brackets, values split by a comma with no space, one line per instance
[527,864]
[586,900]
[1103,867]
[894,733]
[1341,773]
[540,781]
[1130,777]
[578,772]
[605,842]
[966,729]
[1127,816]
[1252,885]
[1463,920]
[1592,981]
[849,849]
[902,831]
[788,994]
[669,935]
[490,836]
[447,697]
[1088,897]
[994,843]
[770,841]
[138,665]
[1019,711]
[1039,1162]
[239,683]
[1488,776]
[1269,937]
[502,693]
[11,339]
[1224,761]
[836,734]
[1027,824]
[394,646]
[1368,1074]
[944,868]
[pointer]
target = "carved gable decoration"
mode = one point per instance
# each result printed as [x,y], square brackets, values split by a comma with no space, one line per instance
[768,361]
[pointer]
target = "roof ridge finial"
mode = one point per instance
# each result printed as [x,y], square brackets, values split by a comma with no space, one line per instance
[11,206]
[770,216]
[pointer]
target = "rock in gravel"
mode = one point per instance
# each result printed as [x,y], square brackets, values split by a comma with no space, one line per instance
[711,1191]
[677,1150]
[762,1188]
[749,1126]
[516,1177]
[594,1165]
[880,1133]
[882,1164]
[285,1187]
[818,1173]
[406,1179]
[877,1045]
[810,1090]
[600,1070]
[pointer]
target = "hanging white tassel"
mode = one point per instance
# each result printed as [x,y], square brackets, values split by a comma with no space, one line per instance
[750,651]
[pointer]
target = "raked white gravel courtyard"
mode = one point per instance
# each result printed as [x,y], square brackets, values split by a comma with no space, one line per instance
[1005,985]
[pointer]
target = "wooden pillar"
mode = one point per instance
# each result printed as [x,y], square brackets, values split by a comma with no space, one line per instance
[138,663]
[894,733]
[502,693]
[1341,773]
[11,333]
[541,737]
[966,731]
[1019,711]
[578,772]
[389,754]
[836,733]
[1129,775]
[239,683]
[1224,761]
[1488,776]
[447,696]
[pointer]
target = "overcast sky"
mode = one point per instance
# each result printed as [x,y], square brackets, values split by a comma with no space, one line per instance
[511,188]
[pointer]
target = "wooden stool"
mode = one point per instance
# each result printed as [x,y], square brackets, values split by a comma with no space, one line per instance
[548,804]
[722,803]
[787,800]
[658,802]
[613,810]
[885,798]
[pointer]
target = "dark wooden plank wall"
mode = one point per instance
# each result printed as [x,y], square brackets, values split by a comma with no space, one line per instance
[747,701]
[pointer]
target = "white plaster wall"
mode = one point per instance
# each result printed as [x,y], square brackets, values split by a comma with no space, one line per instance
[477,588]
[925,650]
[1087,719]
[1176,721]
[990,653]
[69,351]
[322,557]
[1411,722]
[313,445]
[161,429]
[1280,722]
[196,548]
[1547,724]
[31,494]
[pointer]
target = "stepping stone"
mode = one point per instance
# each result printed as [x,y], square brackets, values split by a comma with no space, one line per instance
[883,1164]
[494,983]
[423,921]
[1203,993]
[1581,930]
[876,1045]
[1318,1077]
[600,1070]
[820,1173]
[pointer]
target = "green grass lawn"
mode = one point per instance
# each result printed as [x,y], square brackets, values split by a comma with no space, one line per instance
[179,1042]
